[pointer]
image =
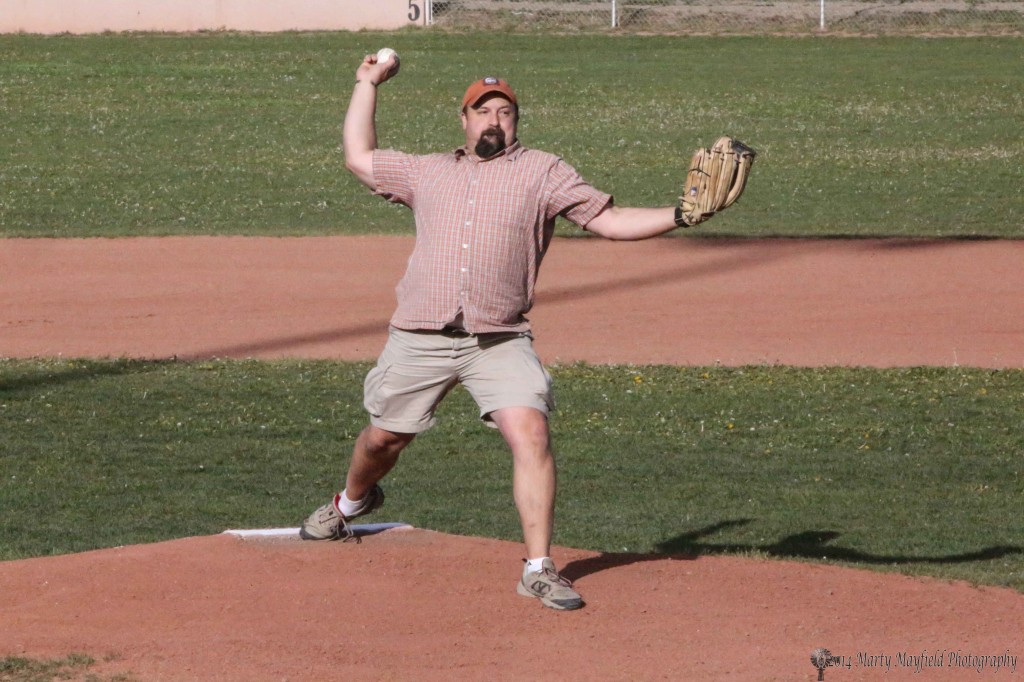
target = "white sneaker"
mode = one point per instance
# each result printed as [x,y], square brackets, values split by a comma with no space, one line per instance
[553,590]
[327,523]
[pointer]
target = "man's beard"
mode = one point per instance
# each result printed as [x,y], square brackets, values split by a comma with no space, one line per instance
[491,142]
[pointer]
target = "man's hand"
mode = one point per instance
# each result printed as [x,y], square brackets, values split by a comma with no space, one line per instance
[373,71]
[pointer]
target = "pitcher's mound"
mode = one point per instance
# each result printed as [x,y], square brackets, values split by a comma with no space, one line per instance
[408,604]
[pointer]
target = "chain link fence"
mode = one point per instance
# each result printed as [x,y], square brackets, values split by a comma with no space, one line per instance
[692,17]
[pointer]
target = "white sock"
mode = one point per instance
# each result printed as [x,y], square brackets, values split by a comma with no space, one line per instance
[346,506]
[535,565]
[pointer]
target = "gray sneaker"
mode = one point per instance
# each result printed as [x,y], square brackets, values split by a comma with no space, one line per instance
[553,590]
[327,523]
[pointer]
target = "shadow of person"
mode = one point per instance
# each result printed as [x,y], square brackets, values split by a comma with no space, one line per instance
[581,568]
[817,545]
[684,547]
[810,544]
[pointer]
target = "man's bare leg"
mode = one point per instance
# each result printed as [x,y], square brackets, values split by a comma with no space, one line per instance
[534,480]
[375,453]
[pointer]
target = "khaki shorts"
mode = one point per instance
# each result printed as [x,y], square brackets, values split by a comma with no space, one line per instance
[417,369]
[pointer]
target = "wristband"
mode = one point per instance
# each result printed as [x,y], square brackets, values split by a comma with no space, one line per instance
[680,222]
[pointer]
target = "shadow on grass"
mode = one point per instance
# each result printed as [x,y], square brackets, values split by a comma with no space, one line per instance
[49,373]
[811,544]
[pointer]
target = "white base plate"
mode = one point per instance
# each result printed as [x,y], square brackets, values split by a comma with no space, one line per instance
[360,530]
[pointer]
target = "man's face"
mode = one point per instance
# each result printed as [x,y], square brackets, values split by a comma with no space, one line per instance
[490,125]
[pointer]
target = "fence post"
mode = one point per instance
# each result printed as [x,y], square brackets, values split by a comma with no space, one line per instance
[821,21]
[615,16]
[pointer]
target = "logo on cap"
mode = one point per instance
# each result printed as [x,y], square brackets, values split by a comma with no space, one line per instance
[485,85]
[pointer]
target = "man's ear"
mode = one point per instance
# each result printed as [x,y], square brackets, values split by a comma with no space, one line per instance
[462,116]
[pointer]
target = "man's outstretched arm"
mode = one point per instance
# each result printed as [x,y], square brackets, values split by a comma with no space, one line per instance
[629,224]
[715,180]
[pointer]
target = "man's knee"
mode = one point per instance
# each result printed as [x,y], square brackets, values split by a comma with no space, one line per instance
[524,428]
[382,443]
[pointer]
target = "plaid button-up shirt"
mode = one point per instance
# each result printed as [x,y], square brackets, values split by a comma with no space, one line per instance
[482,228]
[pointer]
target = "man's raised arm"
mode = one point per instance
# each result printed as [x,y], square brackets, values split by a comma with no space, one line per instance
[360,132]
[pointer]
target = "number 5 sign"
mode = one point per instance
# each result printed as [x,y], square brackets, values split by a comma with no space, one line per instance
[420,11]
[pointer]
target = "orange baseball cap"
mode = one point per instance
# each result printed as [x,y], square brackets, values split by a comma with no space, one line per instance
[487,85]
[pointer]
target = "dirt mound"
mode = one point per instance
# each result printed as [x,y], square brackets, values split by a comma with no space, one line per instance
[420,605]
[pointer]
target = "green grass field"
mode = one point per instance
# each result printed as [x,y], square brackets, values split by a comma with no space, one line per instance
[914,470]
[240,134]
[71,667]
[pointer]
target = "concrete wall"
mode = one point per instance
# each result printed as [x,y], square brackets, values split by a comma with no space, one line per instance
[96,16]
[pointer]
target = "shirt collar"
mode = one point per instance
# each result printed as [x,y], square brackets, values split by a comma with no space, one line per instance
[510,153]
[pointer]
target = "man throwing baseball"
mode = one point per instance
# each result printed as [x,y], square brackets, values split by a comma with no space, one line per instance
[484,214]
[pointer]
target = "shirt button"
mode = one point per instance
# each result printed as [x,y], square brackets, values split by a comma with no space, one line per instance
[463,269]
[465,246]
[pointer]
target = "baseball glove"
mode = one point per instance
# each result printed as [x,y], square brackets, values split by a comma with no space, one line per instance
[715,181]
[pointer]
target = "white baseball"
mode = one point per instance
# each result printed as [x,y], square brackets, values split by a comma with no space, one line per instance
[385,54]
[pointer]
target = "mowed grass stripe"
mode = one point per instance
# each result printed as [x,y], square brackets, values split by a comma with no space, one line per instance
[913,470]
[222,133]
